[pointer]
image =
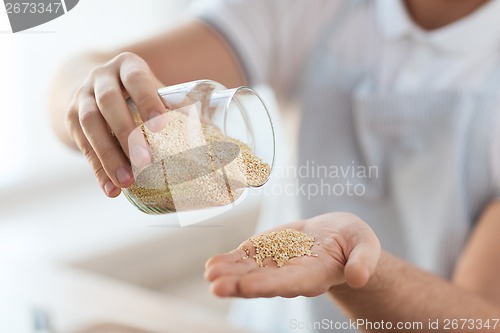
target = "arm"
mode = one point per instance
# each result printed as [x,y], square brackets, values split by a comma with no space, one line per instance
[88,94]
[395,292]
[399,292]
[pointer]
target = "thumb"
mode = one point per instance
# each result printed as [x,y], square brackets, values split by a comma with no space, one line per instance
[362,260]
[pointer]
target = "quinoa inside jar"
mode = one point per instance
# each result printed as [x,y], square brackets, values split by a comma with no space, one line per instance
[206,152]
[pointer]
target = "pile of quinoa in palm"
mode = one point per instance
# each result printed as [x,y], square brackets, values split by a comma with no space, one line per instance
[281,246]
[177,180]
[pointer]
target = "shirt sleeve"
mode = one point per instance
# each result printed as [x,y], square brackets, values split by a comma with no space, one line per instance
[271,38]
[249,29]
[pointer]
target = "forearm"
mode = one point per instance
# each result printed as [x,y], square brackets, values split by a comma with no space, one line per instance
[189,52]
[399,292]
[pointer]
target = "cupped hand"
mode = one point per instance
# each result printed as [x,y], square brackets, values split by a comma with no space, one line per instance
[100,122]
[347,252]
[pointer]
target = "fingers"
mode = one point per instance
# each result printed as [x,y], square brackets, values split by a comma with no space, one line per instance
[104,145]
[139,152]
[114,109]
[360,247]
[363,259]
[235,275]
[230,257]
[226,286]
[341,235]
[131,73]
[81,141]
[140,84]
[101,123]
[225,269]
[288,281]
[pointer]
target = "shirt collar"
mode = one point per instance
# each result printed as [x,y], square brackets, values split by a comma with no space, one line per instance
[478,30]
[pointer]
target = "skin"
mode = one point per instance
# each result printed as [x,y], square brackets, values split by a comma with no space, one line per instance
[473,291]
[368,283]
[87,101]
[432,14]
[348,252]
[87,105]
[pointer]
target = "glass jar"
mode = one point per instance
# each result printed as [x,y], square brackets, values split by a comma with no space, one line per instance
[210,145]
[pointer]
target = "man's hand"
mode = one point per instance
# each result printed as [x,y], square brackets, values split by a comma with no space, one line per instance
[87,108]
[348,251]
[99,109]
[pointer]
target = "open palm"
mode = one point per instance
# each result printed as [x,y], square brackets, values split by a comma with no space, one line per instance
[347,251]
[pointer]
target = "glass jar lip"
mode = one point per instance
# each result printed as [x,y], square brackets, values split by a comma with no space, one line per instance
[233,96]
[182,86]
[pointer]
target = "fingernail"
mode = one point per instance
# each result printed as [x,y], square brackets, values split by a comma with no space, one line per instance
[139,156]
[156,121]
[109,187]
[124,175]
